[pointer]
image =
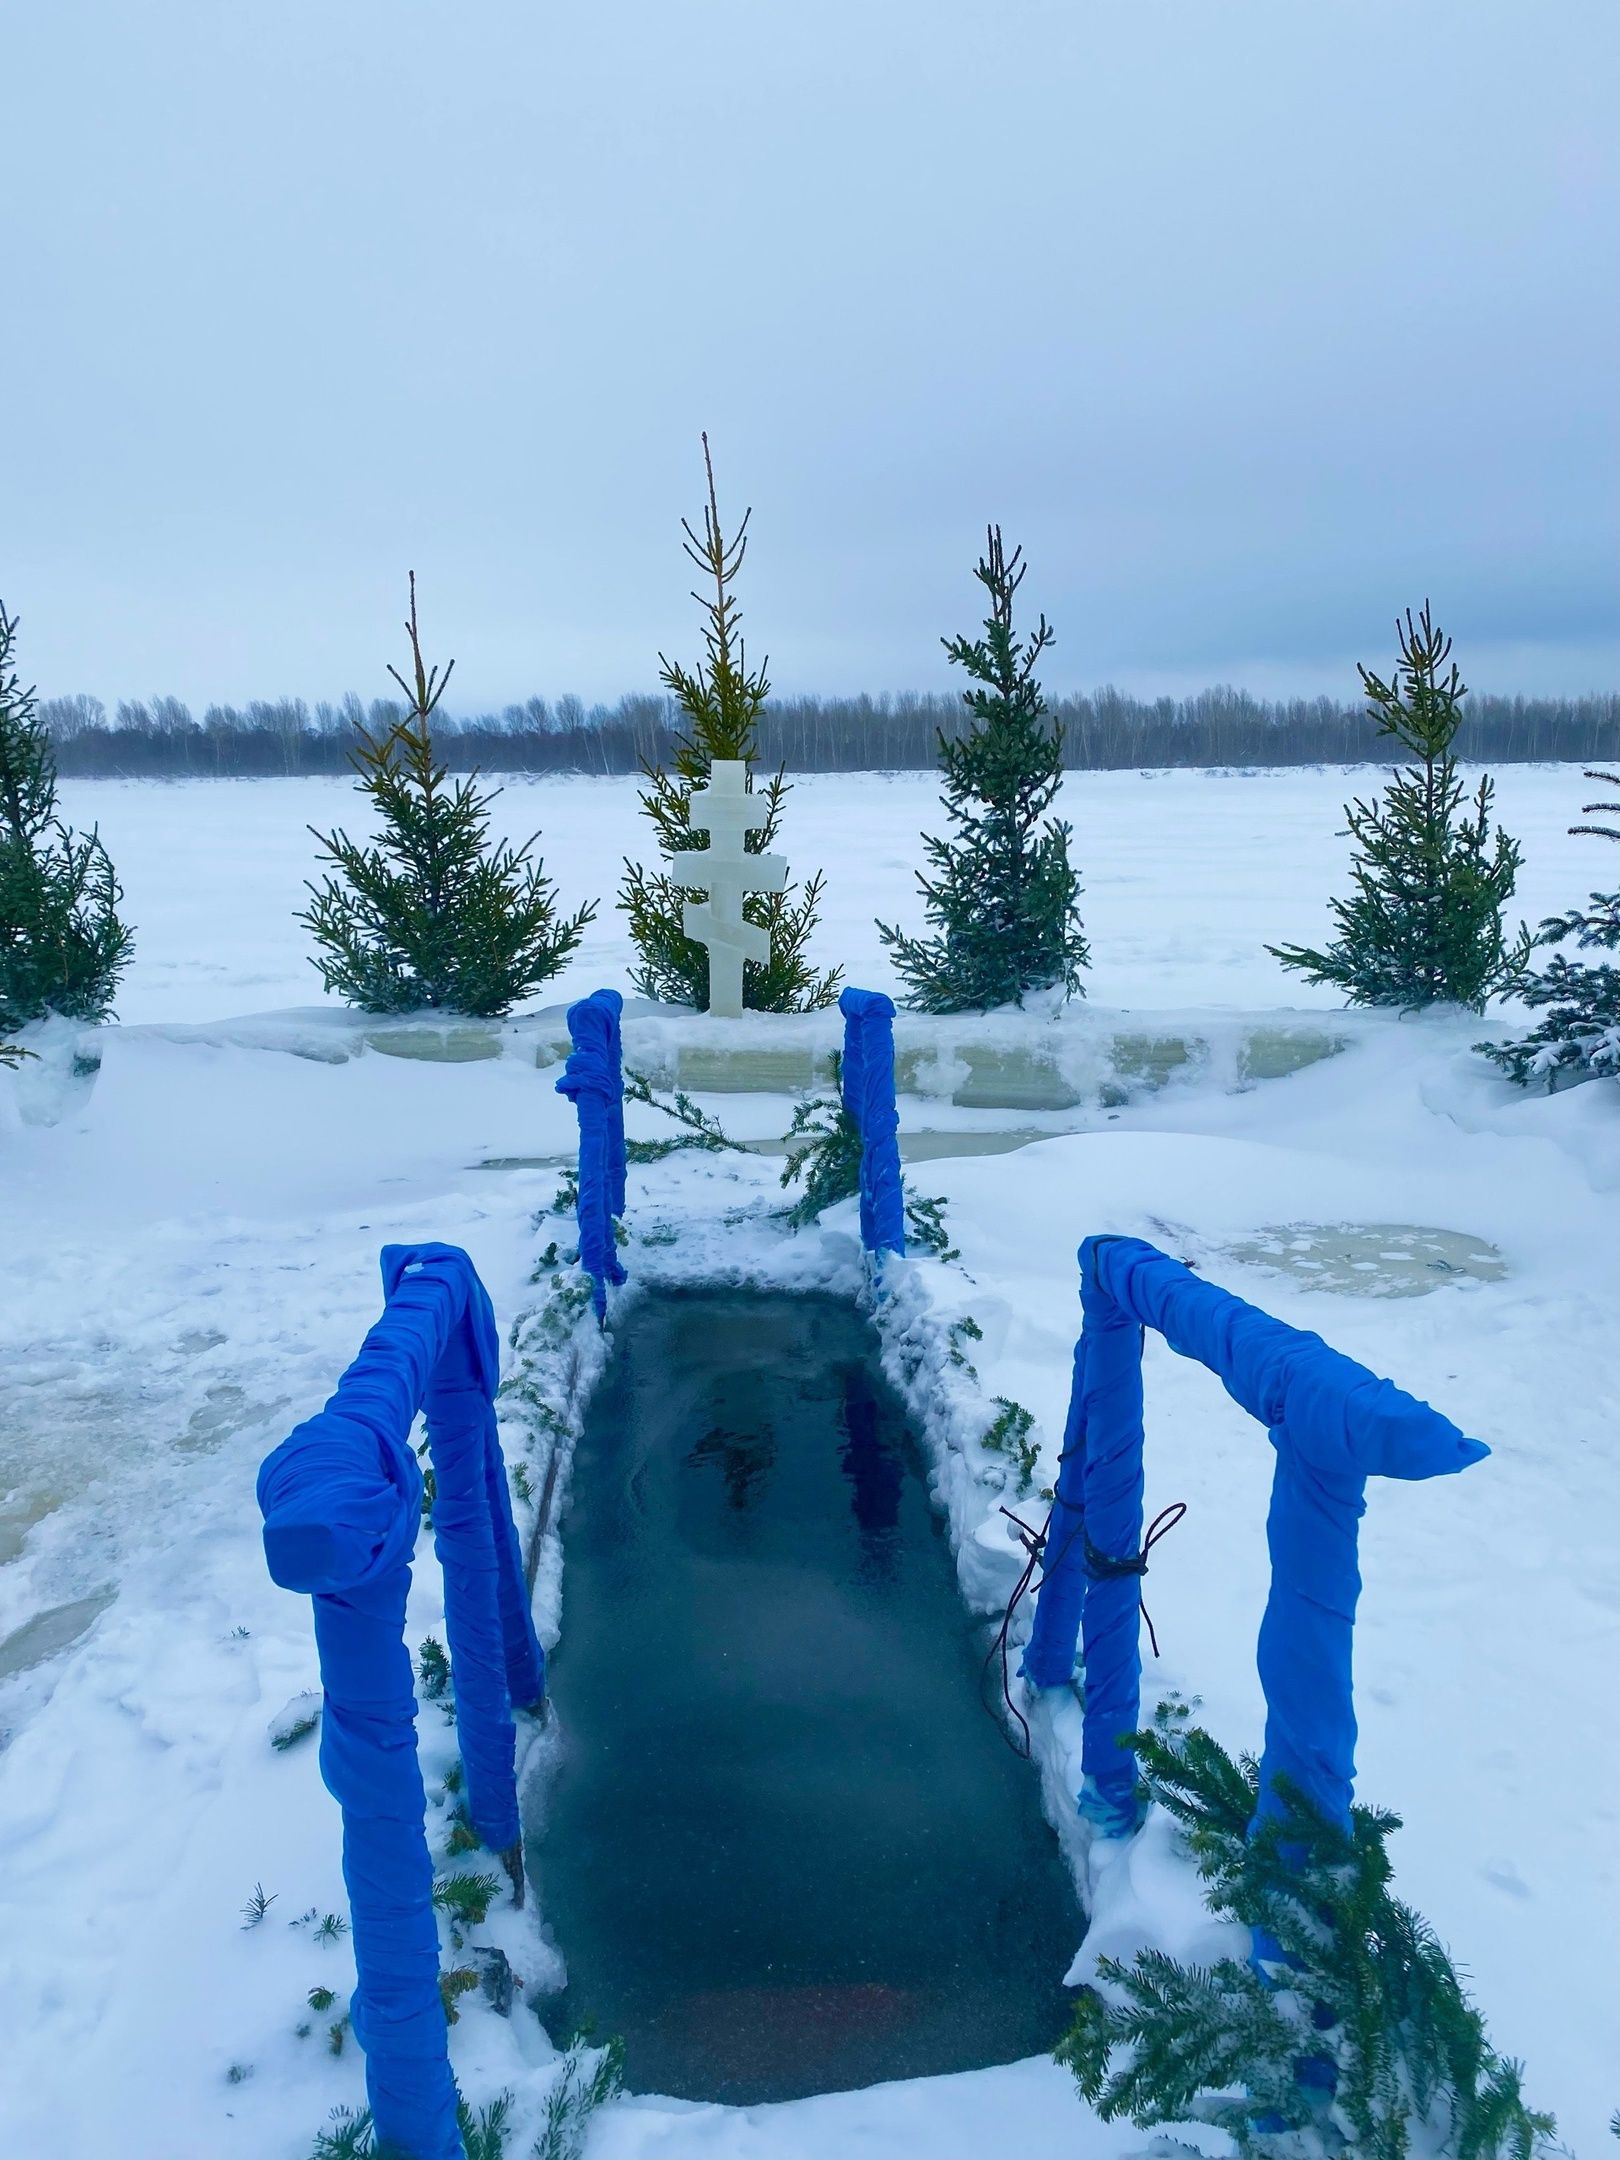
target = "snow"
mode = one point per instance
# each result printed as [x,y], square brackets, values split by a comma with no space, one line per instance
[191,1259]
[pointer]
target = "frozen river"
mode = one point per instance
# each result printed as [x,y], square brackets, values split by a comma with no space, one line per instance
[1188,876]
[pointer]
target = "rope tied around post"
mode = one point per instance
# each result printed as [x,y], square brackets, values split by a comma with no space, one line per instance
[1104,1567]
[1332,1425]
[1098,1566]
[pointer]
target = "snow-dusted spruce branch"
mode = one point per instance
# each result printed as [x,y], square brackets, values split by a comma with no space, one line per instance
[1355,2037]
[351,2136]
[590,2077]
[1578,1036]
[701,1131]
[824,1156]
[587,2079]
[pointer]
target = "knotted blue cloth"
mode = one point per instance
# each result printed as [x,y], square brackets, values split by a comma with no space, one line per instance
[594,1082]
[342,1504]
[868,1087]
[1333,1425]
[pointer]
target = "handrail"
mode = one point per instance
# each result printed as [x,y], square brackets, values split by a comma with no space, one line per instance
[869,1097]
[342,1504]
[1333,1425]
[594,1080]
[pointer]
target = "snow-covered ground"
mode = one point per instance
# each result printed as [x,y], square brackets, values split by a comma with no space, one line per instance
[190,1258]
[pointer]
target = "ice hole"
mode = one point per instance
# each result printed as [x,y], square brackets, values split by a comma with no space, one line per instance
[782,1848]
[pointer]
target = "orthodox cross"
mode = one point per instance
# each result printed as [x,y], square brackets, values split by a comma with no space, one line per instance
[725,870]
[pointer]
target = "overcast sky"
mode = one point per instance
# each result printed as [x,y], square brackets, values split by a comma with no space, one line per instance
[1253,320]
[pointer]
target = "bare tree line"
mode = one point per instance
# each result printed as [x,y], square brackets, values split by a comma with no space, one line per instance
[160,738]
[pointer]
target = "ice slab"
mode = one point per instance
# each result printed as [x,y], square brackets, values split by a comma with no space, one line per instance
[1078,1056]
[18,1515]
[50,1632]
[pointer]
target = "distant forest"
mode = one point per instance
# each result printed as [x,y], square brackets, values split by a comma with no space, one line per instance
[163,739]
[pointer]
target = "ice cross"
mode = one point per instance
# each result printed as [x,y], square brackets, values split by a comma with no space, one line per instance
[726,812]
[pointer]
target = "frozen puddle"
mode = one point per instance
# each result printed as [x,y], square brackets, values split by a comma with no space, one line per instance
[784,1850]
[1370,1259]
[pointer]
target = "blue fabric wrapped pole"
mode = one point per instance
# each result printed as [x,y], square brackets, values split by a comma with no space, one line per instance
[869,1097]
[486,1617]
[1111,1532]
[1060,1604]
[342,1505]
[594,1082]
[1333,1425]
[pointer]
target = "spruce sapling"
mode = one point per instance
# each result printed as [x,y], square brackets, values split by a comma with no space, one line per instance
[63,945]
[430,915]
[1423,925]
[721,700]
[1002,899]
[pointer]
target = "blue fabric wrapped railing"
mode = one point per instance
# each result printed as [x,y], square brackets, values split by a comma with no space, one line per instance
[342,1504]
[1333,1425]
[869,1097]
[594,1082]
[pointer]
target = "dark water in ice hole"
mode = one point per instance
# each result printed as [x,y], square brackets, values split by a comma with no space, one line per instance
[785,1850]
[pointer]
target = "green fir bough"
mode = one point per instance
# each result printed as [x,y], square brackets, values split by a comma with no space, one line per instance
[721,701]
[824,1157]
[430,915]
[1578,1035]
[1431,875]
[1357,2043]
[63,945]
[1002,899]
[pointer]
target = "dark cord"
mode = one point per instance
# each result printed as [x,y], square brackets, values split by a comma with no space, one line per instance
[1034,1544]
[1103,1567]
[1100,1567]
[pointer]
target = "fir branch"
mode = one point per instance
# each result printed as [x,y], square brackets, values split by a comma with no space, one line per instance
[702,1131]
[581,2088]
[1356,2036]
[258,1904]
[1579,1036]
[823,1152]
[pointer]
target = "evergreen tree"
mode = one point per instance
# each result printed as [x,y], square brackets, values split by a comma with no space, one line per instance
[62,944]
[1356,2036]
[1580,1036]
[1424,923]
[1002,897]
[430,915]
[720,702]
